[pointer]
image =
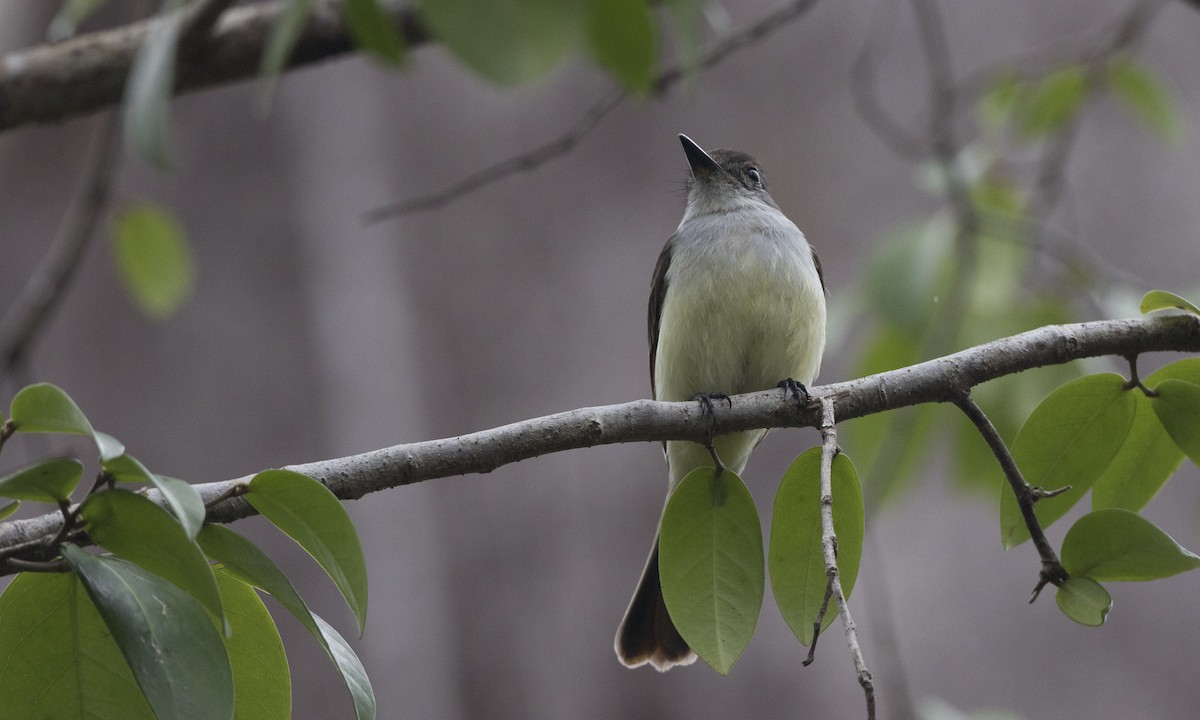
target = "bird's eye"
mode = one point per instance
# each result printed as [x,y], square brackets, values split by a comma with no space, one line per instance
[755,176]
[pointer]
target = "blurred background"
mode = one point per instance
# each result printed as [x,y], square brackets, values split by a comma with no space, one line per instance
[312,334]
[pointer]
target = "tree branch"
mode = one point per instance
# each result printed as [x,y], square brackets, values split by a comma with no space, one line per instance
[49,280]
[829,449]
[1052,570]
[54,82]
[945,379]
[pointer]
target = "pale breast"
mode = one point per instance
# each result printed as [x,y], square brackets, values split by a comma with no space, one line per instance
[743,310]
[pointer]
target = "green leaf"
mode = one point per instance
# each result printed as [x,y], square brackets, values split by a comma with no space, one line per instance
[153,259]
[1118,544]
[1084,600]
[150,85]
[1145,97]
[1053,102]
[1069,439]
[373,30]
[1142,464]
[45,408]
[244,560]
[175,653]
[280,45]
[795,558]
[53,640]
[1163,300]
[49,481]
[621,37]
[506,42]
[8,509]
[135,528]
[312,516]
[262,685]
[1178,409]
[109,446]
[711,565]
[1000,101]
[71,14]
[183,499]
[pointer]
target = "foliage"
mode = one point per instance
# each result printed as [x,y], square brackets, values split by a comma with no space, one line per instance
[153,627]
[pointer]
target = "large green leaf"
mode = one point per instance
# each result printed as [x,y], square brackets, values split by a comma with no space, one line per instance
[176,655]
[183,499]
[1069,439]
[262,685]
[246,561]
[49,481]
[711,565]
[1118,544]
[505,41]
[57,659]
[140,531]
[1146,97]
[795,556]
[1084,600]
[622,39]
[152,256]
[151,83]
[374,31]
[312,516]
[1142,464]
[1177,405]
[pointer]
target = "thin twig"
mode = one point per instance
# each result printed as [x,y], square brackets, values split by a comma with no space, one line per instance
[568,139]
[1052,570]
[866,101]
[829,450]
[49,281]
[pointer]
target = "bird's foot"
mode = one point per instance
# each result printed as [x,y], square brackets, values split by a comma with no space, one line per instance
[706,409]
[798,392]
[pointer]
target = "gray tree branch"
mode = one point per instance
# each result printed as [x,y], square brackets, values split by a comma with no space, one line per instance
[944,380]
[53,82]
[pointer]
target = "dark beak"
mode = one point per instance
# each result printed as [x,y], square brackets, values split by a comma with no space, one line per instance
[702,165]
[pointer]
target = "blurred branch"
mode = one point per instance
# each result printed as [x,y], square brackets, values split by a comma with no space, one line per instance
[49,280]
[944,380]
[1050,182]
[52,82]
[568,139]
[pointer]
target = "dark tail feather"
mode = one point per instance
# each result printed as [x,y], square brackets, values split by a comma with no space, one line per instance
[646,634]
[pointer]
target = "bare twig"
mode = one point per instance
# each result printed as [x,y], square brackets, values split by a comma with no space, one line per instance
[866,101]
[568,139]
[49,280]
[829,450]
[1052,570]
[942,380]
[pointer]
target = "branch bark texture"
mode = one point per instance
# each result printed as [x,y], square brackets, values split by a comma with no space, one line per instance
[53,82]
[944,380]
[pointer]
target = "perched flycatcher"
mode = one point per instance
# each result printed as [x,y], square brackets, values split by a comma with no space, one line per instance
[737,305]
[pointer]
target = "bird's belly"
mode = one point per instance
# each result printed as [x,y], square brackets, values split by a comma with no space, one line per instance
[740,336]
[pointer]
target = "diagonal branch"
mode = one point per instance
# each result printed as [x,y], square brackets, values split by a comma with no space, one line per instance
[568,139]
[945,379]
[48,281]
[1052,569]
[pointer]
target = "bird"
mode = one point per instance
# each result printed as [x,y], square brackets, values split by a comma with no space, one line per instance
[737,305]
